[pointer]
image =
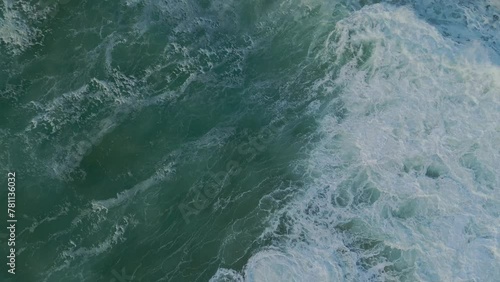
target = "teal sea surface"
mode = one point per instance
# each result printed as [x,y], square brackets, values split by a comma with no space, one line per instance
[252,140]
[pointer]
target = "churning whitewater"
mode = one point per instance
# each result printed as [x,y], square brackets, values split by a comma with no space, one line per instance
[252,141]
[404,187]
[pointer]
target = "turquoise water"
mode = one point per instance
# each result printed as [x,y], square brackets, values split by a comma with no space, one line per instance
[252,140]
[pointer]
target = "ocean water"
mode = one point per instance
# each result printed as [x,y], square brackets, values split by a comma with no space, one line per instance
[279,140]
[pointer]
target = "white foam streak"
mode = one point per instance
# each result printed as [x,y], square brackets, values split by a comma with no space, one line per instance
[141,187]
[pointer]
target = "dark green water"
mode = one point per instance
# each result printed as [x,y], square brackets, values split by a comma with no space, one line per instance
[251,140]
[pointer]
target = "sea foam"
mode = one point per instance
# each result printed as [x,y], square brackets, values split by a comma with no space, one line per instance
[403,186]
